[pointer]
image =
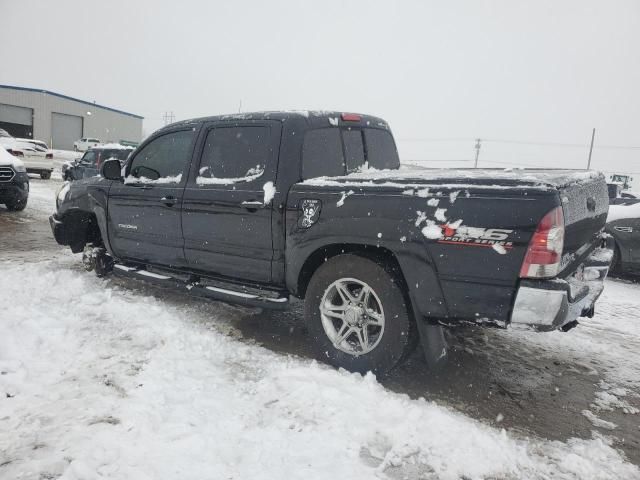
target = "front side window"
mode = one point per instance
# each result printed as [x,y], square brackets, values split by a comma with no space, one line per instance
[234,154]
[163,160]
[89,158]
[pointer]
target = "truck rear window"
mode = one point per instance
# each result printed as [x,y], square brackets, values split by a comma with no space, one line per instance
[381,149]
[333,152]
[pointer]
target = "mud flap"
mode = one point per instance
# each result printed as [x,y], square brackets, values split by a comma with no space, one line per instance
[434,344]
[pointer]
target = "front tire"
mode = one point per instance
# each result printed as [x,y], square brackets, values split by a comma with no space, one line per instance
[16,205]
[357,315]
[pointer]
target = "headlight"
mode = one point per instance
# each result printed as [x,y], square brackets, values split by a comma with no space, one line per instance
[19,167]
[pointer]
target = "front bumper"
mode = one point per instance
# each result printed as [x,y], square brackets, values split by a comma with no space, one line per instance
[550,304]
[58,230]
[16,188]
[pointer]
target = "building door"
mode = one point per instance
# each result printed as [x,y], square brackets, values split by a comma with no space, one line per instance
[18,121]
[65,129]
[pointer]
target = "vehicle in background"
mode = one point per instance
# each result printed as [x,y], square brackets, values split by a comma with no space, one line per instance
[14,182]
[623,224]
[38,144]
[255,208]
[36,159]
[85,144]
[89,164]
[622,179]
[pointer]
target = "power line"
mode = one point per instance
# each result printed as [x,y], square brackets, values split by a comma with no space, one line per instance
[522,142]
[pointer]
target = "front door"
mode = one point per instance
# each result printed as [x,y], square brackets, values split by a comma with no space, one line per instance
[227,206]
[144,211]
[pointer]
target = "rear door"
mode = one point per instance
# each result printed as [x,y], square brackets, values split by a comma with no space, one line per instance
[227,207]
[144,211]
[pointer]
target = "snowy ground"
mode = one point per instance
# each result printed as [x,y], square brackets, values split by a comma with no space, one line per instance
[107,379]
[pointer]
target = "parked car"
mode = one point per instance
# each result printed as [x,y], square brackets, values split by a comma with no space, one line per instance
[36,159]
[255,208]
[39,144]
[89,164]
[85,143]
[623,224]
[14,182]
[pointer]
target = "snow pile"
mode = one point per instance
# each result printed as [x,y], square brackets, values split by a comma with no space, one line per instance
[111,384]
[159,181]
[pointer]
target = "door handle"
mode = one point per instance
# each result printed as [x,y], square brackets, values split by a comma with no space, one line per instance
[168,201]
[252,204]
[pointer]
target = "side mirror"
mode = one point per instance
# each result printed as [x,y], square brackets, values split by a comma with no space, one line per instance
[111,170]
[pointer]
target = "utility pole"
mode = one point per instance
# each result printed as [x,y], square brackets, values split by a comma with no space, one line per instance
[168,117]
[593,136]
[240,107]
[477,152]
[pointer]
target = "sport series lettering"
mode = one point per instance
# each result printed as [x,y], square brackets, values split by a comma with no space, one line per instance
[476,236]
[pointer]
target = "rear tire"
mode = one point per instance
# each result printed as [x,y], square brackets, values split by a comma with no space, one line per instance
[357,315]
[45,175]
[16,205]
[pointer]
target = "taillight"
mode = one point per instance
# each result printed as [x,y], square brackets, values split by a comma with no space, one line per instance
[16,153]
[350,117]
[49,156]
[545,247]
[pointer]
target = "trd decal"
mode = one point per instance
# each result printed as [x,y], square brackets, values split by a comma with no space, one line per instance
[476,236]
[309,212]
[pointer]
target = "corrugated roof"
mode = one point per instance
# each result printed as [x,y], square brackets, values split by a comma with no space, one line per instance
[39,90]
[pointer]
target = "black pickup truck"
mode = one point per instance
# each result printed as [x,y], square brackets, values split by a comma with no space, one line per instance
[255,208]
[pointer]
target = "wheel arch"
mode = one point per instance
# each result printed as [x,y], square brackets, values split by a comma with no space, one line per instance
[380,255]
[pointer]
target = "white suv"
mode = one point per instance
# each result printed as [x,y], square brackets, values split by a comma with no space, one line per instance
[85,144]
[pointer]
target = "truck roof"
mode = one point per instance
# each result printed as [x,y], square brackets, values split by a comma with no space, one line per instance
[312,118]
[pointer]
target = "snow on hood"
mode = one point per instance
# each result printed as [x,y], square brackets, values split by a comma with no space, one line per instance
[620,212]
[8,160]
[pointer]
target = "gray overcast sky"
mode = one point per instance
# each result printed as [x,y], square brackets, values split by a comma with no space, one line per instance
[515,70]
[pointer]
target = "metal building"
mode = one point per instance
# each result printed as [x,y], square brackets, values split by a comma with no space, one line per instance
[60,120]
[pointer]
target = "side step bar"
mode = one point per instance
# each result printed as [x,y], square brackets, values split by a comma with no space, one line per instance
[235,296]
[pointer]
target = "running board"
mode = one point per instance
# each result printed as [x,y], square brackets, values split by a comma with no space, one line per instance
[214,292]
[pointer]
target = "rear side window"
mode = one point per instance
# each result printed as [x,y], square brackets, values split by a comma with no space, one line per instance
[322,154]
[353,149]
[234,154]
[381,149]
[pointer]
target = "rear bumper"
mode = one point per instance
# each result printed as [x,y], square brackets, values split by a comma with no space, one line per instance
[550,304]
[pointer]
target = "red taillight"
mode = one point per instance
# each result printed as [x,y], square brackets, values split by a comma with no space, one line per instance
[49,156]
[545,247]
[15,153]
[350,117]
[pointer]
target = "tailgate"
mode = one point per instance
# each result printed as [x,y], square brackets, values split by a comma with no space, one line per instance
[585,206]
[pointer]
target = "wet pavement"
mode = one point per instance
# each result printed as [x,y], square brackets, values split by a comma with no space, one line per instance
[490,375]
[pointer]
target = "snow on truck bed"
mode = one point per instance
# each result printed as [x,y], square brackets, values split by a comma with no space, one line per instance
[540,179]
